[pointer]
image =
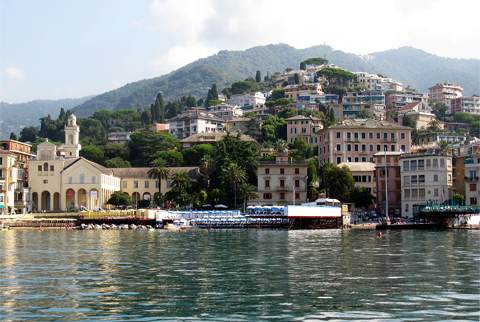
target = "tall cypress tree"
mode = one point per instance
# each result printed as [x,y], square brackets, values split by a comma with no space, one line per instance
[258,76]
[158,109]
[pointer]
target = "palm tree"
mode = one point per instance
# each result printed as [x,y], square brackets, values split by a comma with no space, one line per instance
[180,193]
[248,192]
[235,175]
[160,173]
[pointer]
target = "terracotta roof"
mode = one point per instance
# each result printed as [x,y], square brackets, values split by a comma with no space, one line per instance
[213,137]
[409,106]
[303,117]
[368,124]
[142,173]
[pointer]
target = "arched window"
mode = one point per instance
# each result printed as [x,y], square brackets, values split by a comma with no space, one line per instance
[70,139]
[82,178]
[45,166]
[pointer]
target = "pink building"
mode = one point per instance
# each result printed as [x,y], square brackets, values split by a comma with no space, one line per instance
[357,140]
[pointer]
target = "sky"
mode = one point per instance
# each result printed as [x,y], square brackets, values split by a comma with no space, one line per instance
[53,49]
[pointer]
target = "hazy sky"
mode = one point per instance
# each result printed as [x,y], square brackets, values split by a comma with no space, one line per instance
[67,48]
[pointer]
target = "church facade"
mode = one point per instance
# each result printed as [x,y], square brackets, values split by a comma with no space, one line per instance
[61,180]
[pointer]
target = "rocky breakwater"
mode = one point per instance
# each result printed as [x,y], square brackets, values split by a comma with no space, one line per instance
[115,227]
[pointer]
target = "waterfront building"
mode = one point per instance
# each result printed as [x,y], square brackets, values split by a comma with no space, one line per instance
[354,102]
[22,154]
[363,174]
[118,137]
[282,181]
[238,124]
[306,127]
[444,93]
[357,140]
[388,182]
[211,138]
[60,180]
[139,186]
[193,122]
[254,100]
[8,181]
[465,104]
[472,183]
[425,176]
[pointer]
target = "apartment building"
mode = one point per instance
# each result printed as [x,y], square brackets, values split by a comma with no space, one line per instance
[388,182]
[293,91]
[472,183]
[425,176]
[357,140]
[193,122]
[22,153]
[238,124]
[466,104]
[444,93]
[281,182]
[254,100]
[8,182]
[306,127]
[396,100]
[354,102]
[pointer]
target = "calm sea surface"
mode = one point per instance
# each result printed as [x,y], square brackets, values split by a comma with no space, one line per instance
[239,275]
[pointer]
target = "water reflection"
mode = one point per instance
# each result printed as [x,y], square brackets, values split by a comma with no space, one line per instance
[238,274]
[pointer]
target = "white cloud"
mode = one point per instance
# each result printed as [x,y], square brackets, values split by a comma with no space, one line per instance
[14,73]
[178,56]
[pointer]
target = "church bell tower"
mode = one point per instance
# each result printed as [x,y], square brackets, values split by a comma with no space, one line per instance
[72,145]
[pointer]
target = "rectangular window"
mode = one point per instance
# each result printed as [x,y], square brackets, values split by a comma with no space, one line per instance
[297,183]
[157,184]
[282,195]
[339,160]
[414,193]
[339,147]
[267,196]
[124,184]
[349,147]
[364,159]
[385,136]
[267,183]
[282,183]
[147,184]
[356,135]
[403,147]
[356,159]
[442,163]
[402,136]
[349,135]
[363,136]
[406,193]
[267,170]
[473,201]
[413,165]
[282,171]
[435,192]
[392,136]
[338,135]
[51,168]
[297,195]
[473,187]
[356,147]
[421,193]
[421,178]
[40,168]
[429,163]
[413,179]
[370,135]
[378,135]
[435,163]
[297,170]
[378,147]
[135,184]
[392,147]
[406,179]
[421,164]
[371,148]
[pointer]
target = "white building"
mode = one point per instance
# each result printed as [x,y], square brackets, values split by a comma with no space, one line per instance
[193,122]
[225,111]
[8,181]
[466,104]
[444,93]
[256,99]
[425,176]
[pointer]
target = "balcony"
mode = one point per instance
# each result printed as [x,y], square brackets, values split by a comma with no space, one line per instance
[471,179]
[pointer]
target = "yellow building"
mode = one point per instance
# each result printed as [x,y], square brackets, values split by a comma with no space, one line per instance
[138,185]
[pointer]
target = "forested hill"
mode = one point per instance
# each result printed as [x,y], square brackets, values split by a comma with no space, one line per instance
[411,66]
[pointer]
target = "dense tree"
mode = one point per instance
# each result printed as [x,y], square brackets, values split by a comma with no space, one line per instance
[157,109]
[180,195]
[190,101]
[277,93]
[113,150]
[315,61]
[274,128]
[243,87]
[144,144]
[329,119]
[279,102]
[29,134]
[194,155]
[366,114]
[212,96]
[172,109]
[301,150]
[336,181]
[93,131]
[361,197]
[287,113]
[440,109]
[93,153]
[117,162]
[119,198]
[258,76]
[303,66]
[146,117]
[408,121]
[233,176]
[171,158]
[13,136]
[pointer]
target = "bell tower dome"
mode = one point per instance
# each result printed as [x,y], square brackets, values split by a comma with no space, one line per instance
[72,145]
